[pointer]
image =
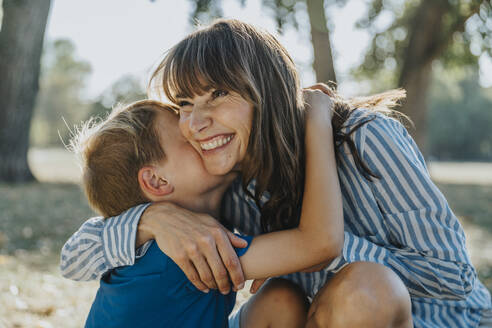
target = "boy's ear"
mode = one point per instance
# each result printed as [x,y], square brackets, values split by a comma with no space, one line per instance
[152,183]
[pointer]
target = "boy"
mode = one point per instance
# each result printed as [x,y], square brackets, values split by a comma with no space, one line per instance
[136,156]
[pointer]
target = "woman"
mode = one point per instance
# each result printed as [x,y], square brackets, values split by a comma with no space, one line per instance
[395,217]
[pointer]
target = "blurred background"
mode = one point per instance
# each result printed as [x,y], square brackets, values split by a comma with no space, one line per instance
[64,61]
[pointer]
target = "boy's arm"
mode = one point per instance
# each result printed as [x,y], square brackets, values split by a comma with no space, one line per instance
[101,245]
[319,236]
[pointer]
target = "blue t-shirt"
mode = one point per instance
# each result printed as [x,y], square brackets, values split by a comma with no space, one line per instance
[154,292]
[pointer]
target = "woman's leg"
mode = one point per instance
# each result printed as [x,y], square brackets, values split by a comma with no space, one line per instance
[278,303]
[362,294]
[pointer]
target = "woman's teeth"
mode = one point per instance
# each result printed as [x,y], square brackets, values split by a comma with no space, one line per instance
[216,142]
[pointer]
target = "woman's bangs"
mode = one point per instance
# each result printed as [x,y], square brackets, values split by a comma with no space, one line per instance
[194,68]
[182,79]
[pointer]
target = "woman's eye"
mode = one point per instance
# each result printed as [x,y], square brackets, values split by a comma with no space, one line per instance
[183,103]
[219,93]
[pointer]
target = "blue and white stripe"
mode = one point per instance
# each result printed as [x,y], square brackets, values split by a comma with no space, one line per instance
[400,220]
[101,245]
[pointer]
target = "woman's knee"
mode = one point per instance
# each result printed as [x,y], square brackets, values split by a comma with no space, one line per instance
[283,292]
[279,303]
[363,294]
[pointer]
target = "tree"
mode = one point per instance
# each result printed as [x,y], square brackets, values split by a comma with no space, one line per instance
[320,38]
[460,117]
[450,31]
[126,89]
[21,44]
[284,12]
[59,100]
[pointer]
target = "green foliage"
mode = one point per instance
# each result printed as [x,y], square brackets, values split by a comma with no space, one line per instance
[127,89]
[63,78]
[284,12]
[60,104]
[205,11]
[466,34]
[386,52]
[460,118]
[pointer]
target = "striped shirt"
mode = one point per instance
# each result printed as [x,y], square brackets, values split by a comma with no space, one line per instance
[400,220]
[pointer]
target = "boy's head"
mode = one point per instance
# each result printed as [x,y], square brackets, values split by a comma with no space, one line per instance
[137,155]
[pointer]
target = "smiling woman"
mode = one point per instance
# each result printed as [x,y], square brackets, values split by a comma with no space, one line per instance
[253,68]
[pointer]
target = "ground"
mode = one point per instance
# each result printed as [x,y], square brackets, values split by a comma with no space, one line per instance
[37,218]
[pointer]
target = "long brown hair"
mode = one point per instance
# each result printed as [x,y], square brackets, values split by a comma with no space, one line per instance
[239,57]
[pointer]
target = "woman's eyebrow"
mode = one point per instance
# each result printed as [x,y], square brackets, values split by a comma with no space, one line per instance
[205,89]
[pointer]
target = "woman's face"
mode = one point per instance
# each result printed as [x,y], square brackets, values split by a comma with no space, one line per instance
[218,125]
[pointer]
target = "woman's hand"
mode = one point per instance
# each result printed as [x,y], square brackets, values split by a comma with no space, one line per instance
[197,243]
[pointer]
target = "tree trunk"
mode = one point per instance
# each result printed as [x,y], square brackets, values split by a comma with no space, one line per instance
[425,33]
[21,44]
[323,59]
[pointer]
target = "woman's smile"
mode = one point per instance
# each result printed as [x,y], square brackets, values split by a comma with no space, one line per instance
[215,143]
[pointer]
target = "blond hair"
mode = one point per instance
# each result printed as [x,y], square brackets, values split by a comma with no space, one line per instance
[113,150]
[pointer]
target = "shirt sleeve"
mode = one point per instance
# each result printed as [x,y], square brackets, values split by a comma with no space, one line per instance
[101,245]
[427,249]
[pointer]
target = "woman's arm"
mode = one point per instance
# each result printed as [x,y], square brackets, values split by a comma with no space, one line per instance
[319,236]
[101,245]
[196,242]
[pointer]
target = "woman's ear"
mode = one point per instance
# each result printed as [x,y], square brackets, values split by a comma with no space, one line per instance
[152,183]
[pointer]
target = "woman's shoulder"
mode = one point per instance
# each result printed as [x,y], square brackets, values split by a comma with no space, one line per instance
[363,119]
[366,126]
[362,116]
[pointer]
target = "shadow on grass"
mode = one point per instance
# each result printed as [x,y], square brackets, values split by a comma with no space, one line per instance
[40,217]
[472,203]
[485,275]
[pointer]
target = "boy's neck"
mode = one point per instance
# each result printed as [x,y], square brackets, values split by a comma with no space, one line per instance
[209,202]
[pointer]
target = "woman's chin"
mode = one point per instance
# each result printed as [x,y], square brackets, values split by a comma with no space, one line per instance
[219,168]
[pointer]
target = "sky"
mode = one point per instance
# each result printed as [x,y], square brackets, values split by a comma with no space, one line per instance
[119,37]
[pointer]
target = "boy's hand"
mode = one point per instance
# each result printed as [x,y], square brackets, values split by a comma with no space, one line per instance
[197,243]
[323,88]
[319,106]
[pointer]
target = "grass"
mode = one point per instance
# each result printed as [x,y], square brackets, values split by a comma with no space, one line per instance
[473,205]
[37,218]
[40,216]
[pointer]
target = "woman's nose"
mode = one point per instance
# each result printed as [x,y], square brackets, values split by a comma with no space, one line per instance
[199,120]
